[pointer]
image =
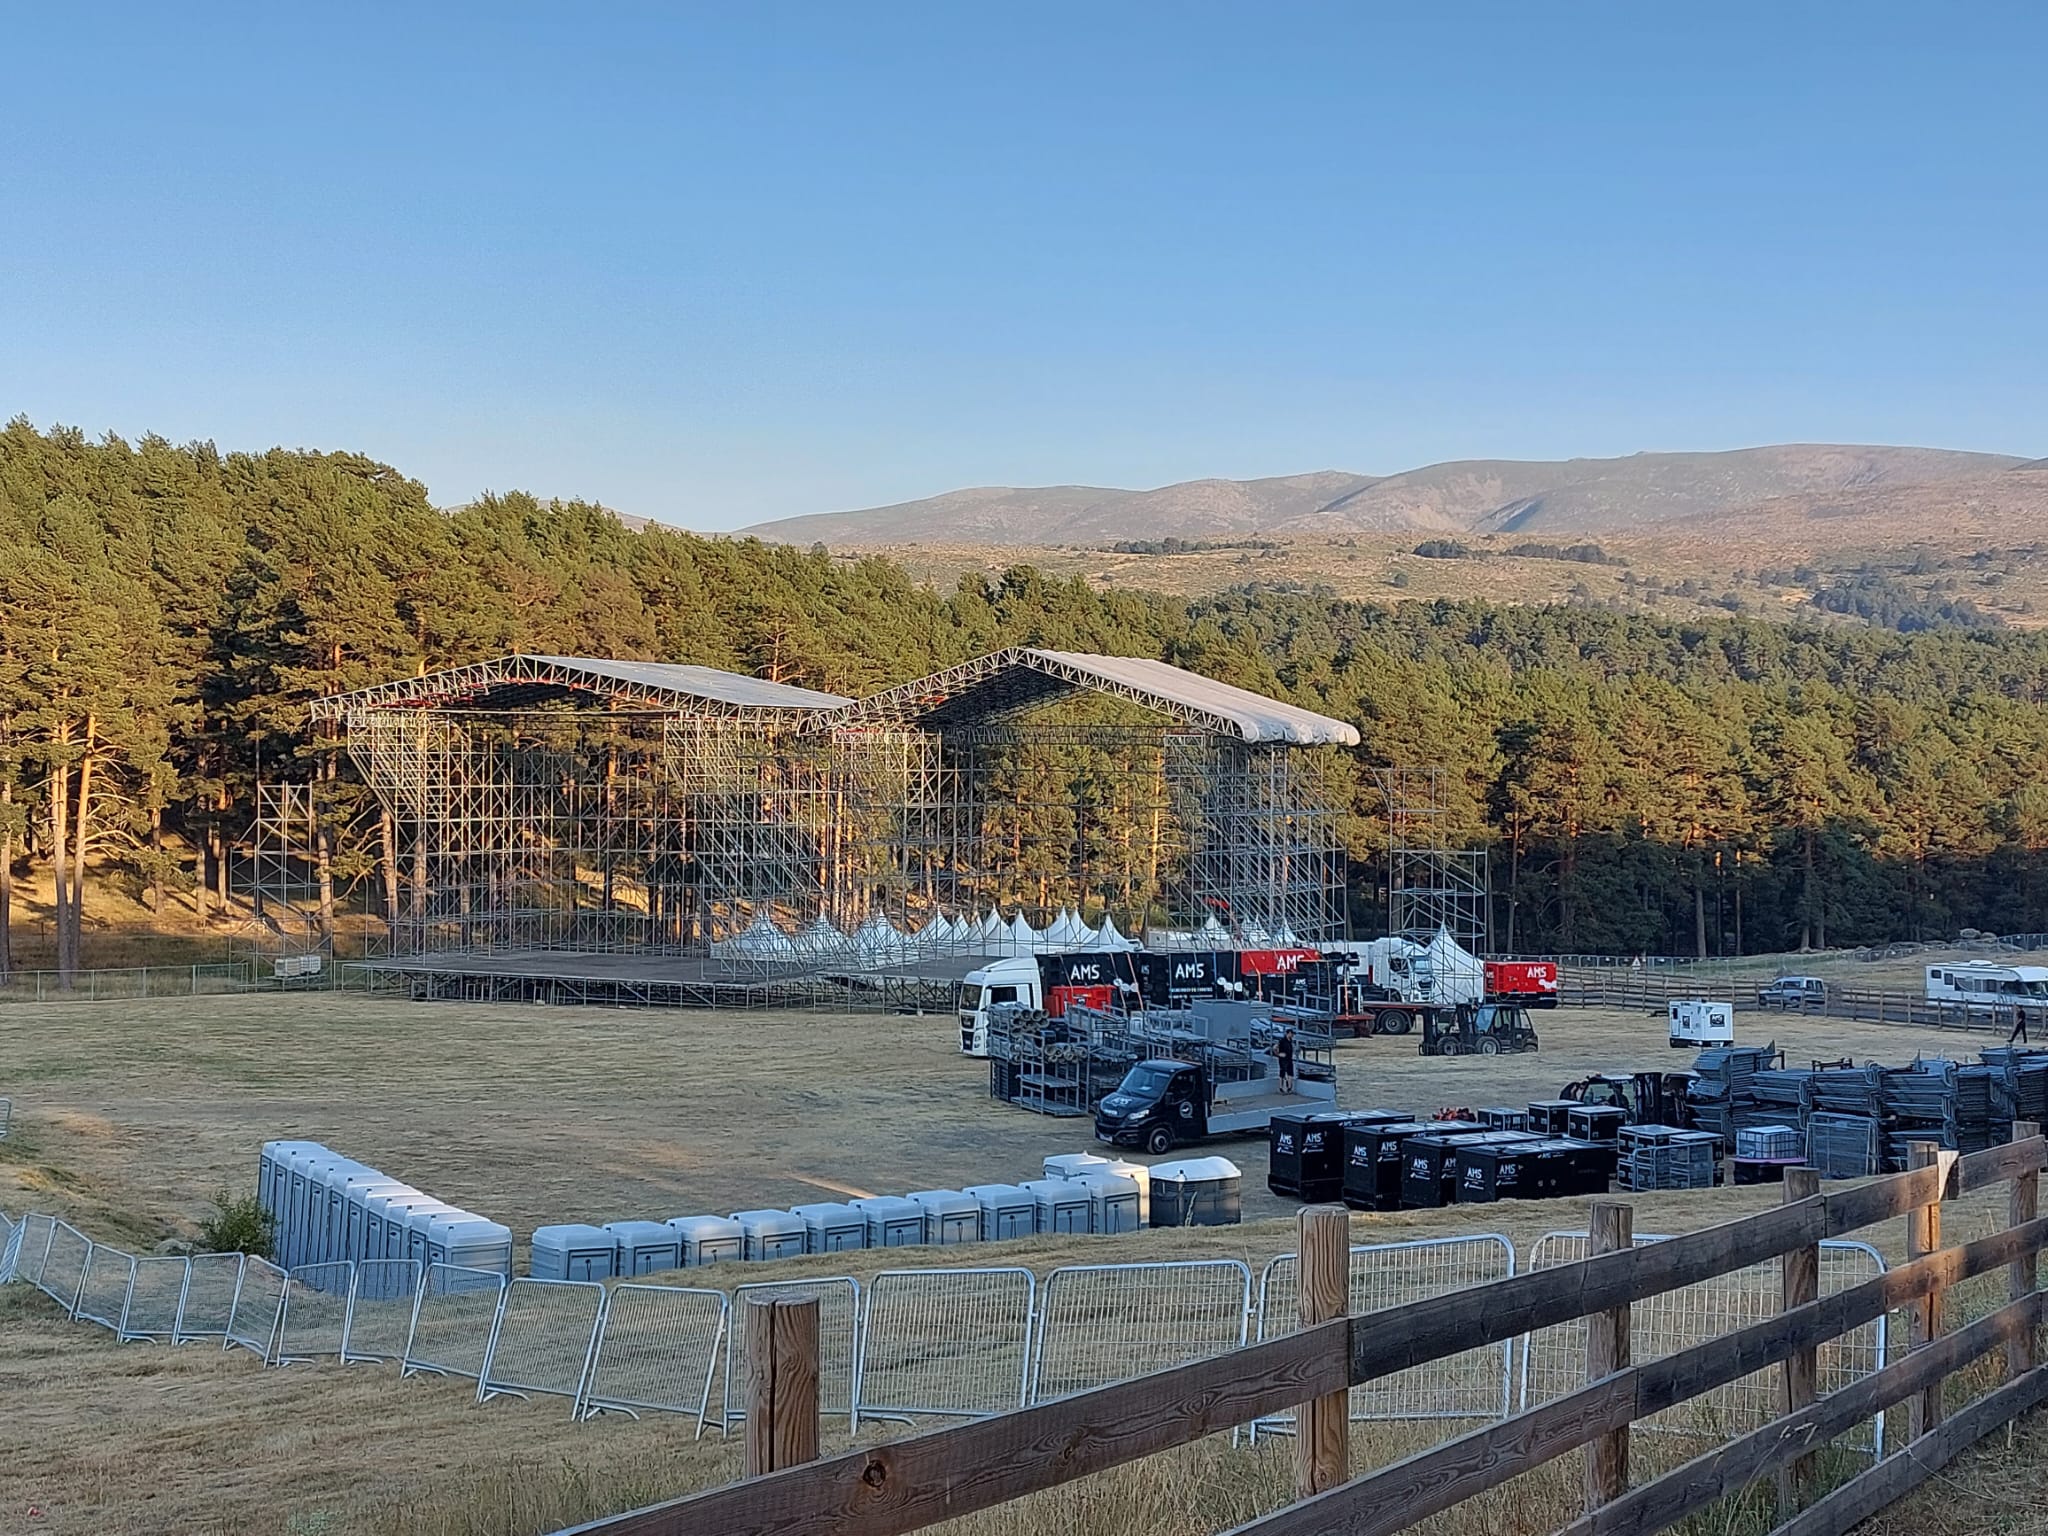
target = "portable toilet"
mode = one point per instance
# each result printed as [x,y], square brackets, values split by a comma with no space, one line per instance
[291,1226]
[273,1176]
[893,1221]
[333,1242]
[950,1216]
[381,1208]
[772,1234]
[1197,1192]
[418,1219]
[708,1239]
[646,1247]
[315,1221]
[1073,1165]
[355,1237]
[832,1226]
[1007,1210]
[1063,1205]
[1112,1202]
[1139,1175]
[573,1251]
[462,1237]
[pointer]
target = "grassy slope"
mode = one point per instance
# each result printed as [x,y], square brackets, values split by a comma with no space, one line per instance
[130,1114]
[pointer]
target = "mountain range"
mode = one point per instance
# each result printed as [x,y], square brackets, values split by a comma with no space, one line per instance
[1681,493]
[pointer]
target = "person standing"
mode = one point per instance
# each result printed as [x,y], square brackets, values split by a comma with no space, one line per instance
[2019,1027]
[1283,1056]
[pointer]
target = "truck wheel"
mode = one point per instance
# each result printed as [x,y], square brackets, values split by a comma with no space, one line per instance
[1395,1022]
[1160,1141]
[1488,1046]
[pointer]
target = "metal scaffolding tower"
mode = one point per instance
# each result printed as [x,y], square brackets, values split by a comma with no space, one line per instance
[1430,886]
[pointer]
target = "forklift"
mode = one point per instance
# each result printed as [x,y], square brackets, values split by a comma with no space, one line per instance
[1650,1098]
[1478,1029]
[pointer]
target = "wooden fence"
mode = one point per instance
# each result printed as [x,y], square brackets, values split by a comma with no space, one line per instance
[1652,988]
[912,1483]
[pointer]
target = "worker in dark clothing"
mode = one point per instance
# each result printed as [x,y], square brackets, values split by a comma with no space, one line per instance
[1283,1055]
[2019,1027]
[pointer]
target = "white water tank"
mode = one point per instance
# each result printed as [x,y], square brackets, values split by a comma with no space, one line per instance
[1197,1192]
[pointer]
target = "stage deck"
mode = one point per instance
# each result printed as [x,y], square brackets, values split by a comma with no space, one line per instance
[630,978]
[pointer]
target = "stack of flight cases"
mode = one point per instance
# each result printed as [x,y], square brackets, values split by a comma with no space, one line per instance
[1305,1150]
[1428,1163]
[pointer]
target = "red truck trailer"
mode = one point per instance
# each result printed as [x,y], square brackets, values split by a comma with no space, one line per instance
[1532,983]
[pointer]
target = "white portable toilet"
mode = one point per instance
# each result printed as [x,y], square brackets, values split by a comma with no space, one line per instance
[1073,1165]
[645,1247]
[832,1226]
[1007,1210]
[1139,1175]
[772,1234]
[573,1251]
[1197,1192]
[950,1215]
[1112,1203]
[709,1239]
[1063,1205]
[893,1221]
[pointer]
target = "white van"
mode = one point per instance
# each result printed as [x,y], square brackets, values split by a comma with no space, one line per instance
[1695,1023]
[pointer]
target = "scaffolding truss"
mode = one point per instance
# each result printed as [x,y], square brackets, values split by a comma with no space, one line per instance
[1430,887]
[766,841]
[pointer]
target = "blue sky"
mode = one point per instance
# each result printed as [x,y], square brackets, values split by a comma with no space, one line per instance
[716,265]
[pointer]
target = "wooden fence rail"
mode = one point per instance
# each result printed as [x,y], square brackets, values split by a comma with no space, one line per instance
[908,1484]
[1652,988]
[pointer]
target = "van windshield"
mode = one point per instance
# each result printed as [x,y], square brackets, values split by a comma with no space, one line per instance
[1145,1082]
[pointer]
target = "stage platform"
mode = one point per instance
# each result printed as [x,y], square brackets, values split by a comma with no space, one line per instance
[584,978]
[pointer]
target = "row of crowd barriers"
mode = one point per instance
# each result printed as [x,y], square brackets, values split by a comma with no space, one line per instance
[910,1344]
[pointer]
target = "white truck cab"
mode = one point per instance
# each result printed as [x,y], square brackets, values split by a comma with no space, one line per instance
[1011,980]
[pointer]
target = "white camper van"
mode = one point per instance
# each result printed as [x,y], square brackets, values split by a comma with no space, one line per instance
[1979,986]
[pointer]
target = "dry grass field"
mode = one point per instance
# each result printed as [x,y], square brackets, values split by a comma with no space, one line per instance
[128,1117]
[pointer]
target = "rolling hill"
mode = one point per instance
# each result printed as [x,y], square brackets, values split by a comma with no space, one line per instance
[1661,492]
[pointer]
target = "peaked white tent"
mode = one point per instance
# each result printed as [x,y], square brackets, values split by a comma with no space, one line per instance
[762,940]
[1460,975]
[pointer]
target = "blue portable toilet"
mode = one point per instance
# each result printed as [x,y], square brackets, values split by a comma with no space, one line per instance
[573,1251]
[950,1215]
[833,1226]
[645,1247]
[772,1234]
[893,1221]
[709,1239]
[1007,1210]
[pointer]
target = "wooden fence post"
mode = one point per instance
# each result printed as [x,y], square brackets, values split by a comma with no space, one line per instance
[1322,1426]
[782,1383]
[2023,1277]
[1612,1229]
[1923,1236]
[1799,1378]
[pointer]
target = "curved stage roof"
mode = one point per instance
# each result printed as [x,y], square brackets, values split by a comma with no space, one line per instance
[990,687]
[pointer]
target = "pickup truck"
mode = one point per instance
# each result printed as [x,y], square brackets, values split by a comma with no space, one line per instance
[1793,992]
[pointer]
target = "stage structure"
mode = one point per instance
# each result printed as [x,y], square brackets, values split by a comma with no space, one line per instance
[637,825]
[1430,887]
